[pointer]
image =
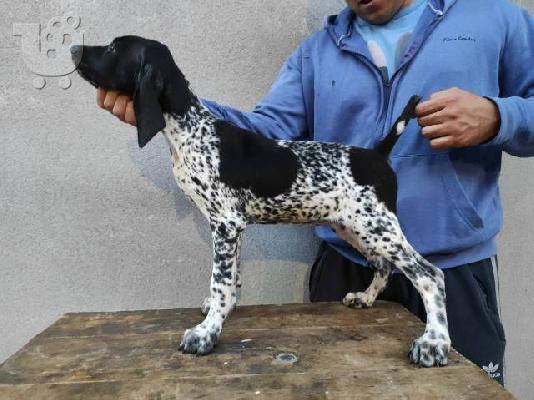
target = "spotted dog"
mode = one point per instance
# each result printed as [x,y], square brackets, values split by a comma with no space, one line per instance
[236,178]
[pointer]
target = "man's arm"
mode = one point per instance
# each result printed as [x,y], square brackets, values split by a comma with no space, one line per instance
[281,114]
[456,118]
[516,100]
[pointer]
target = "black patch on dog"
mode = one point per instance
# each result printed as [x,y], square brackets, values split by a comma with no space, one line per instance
[251,161]
[370,168]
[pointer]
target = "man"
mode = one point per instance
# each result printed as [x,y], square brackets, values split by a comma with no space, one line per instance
[471,60]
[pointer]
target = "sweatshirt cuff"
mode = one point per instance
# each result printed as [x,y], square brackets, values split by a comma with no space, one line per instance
[505,132]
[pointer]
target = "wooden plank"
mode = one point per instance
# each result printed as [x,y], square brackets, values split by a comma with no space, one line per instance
[458,384]
[248,317]
[155,356]
[338,352]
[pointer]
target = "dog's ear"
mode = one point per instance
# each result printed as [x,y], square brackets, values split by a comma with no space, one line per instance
[147,107]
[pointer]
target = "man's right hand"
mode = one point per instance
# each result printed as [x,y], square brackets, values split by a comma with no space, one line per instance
[117,103]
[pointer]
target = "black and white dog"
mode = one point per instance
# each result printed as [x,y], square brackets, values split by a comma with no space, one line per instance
[238,177]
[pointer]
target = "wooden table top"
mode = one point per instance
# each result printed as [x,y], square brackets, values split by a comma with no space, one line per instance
[296,351]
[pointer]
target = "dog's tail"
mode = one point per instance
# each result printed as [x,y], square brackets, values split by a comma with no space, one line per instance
[387,144]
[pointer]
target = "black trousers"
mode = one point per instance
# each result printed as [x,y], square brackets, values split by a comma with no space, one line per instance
[473,312]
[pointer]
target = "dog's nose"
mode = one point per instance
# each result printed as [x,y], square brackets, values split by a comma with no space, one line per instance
[76,52]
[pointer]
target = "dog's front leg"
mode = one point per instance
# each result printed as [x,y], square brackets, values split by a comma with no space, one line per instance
[205,307]
[226,239]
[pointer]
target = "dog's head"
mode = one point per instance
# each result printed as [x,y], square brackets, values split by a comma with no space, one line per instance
[143,69]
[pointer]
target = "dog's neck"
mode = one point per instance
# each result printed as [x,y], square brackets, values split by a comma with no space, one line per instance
[177,97]
[184,113]
[196,120]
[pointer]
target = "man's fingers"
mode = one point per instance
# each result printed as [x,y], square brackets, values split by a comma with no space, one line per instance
[129,115]
[442,143]
[118,104]
[438,101]
[100,96]
[109,100]
[429,107]
[440,94]
[446,94]
[434,131]
[119,109]
[435,118]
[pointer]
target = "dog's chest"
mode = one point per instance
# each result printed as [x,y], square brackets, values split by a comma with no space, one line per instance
[193,155]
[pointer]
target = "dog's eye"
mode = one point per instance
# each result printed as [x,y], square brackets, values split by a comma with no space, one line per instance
[111,47]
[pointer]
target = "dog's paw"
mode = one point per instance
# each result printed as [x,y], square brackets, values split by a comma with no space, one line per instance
[205,307]
[199,340]
[357,300]
[428,352]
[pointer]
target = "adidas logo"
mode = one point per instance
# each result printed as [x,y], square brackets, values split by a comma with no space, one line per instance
[491,369]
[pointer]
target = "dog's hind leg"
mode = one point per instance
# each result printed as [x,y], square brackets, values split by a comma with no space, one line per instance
[382,270]
[226,238]
[432,348]
[378,236]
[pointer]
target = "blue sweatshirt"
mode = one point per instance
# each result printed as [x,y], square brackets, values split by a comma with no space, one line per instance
[330,90]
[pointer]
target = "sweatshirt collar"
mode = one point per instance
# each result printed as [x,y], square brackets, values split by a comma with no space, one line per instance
[340,26]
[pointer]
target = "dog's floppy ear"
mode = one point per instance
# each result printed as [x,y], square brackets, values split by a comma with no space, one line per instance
[147,108]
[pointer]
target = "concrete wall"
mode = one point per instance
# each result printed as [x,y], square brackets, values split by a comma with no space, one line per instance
[90,222]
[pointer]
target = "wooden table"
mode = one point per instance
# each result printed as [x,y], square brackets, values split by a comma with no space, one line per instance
[298,351]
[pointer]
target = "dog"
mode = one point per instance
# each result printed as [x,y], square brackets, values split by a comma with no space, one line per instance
[236,177]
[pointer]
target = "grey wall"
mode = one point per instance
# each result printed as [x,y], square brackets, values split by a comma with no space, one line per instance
[90,222]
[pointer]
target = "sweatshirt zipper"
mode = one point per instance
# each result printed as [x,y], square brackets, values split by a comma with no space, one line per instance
[386,92]
[387,85]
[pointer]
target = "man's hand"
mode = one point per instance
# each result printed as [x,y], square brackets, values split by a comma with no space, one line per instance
[456,118]
[116,103]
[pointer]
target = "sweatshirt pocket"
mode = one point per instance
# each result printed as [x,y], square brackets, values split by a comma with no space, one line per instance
[433,208]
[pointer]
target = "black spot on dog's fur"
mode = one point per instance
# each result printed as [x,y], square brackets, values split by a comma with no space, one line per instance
[251,161]
[371,169]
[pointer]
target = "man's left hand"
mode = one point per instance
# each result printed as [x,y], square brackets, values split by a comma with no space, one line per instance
[456,118]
